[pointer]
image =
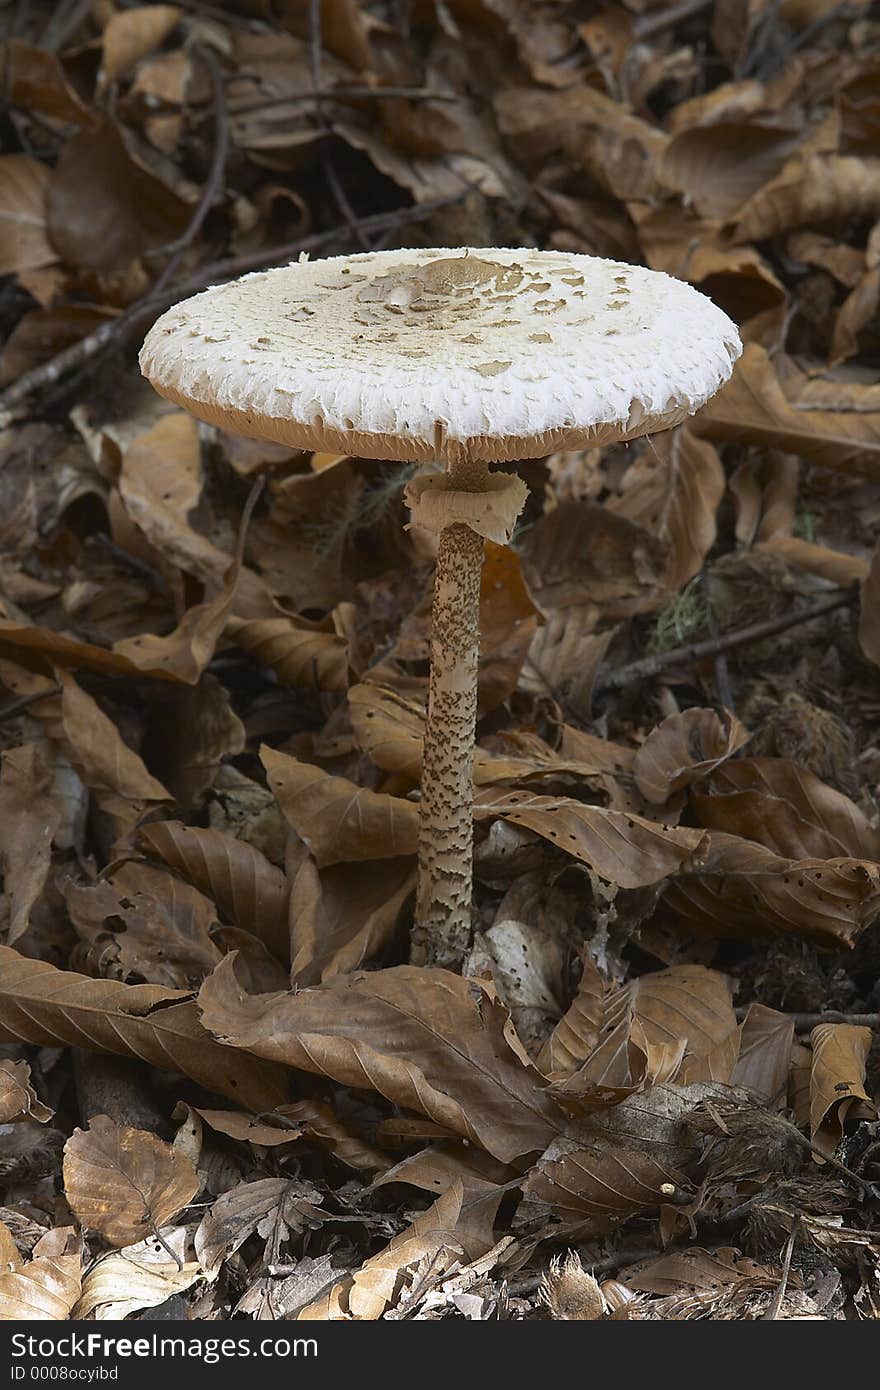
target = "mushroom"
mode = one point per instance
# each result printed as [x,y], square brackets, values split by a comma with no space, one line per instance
[465,358]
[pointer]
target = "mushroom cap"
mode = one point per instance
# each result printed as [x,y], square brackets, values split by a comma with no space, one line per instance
[451,355]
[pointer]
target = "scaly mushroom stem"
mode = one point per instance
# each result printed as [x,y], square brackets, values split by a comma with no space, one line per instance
[443,909]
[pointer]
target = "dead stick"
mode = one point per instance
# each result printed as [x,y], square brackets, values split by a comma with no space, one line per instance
[72,358]
[698,651]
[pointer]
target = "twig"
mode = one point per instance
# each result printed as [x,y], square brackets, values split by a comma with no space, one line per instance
[118,329]
[649,25]
[215,173]
[320,94]
[739,637]
[772,1312]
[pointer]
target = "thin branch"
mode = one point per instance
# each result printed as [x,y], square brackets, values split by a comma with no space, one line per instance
[772,1312]
[739,637]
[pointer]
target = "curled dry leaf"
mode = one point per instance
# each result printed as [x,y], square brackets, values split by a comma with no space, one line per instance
[18,1099]
[250,892]
[423,1038]
[628,851]
[143,1275]
[53,1008]
[299,652]
[752,407]
[816,190]
[95,748]
[125,1183]
[131,35]
[742,887]
[48,1286]
[788,809]
[576,1034]
[837,1080]
[683,749]
[339,821]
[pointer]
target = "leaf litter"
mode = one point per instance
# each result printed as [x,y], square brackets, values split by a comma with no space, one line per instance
[647,1086]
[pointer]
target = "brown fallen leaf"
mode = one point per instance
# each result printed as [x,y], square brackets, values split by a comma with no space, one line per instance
[753,408]
[816,190]
[130,35]
[339,821]
[766,1039]
[367,1293]
[340,919]
[424,1038]
[18,1099]
[673,491]
[788,809]
[35,81]
[105,763]
[53,1008]
[576,1034]
[24,240]
[623,849]
[835,566]
[837,1080]
[581,553]
[742,886]
[143,1275]
[106,208]
[683,749]
[125,1183]
[48,1286]
[300,653]
[141,924]
[249,891]
[582,1181]
[30,817]
[508,620]
[272,1206]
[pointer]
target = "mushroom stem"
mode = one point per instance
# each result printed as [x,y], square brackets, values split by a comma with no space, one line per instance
[443,908]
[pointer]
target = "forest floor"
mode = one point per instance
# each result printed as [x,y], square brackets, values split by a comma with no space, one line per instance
[648,1086]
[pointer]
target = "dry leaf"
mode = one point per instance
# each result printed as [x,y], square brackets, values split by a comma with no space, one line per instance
[339,918]
[18,1099]
[47,1287]
[300,653]
[837,1080]
[339,821]
[143,1275]
[766,1039]
[683,749]
[249,891]
[742,887]
[418,1036]
[366,1294]
[53,1008]
[130,35]
[125,1183]
[626,850]
[753,408]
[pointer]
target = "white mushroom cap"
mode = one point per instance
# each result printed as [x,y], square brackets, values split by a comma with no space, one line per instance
[452,355]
